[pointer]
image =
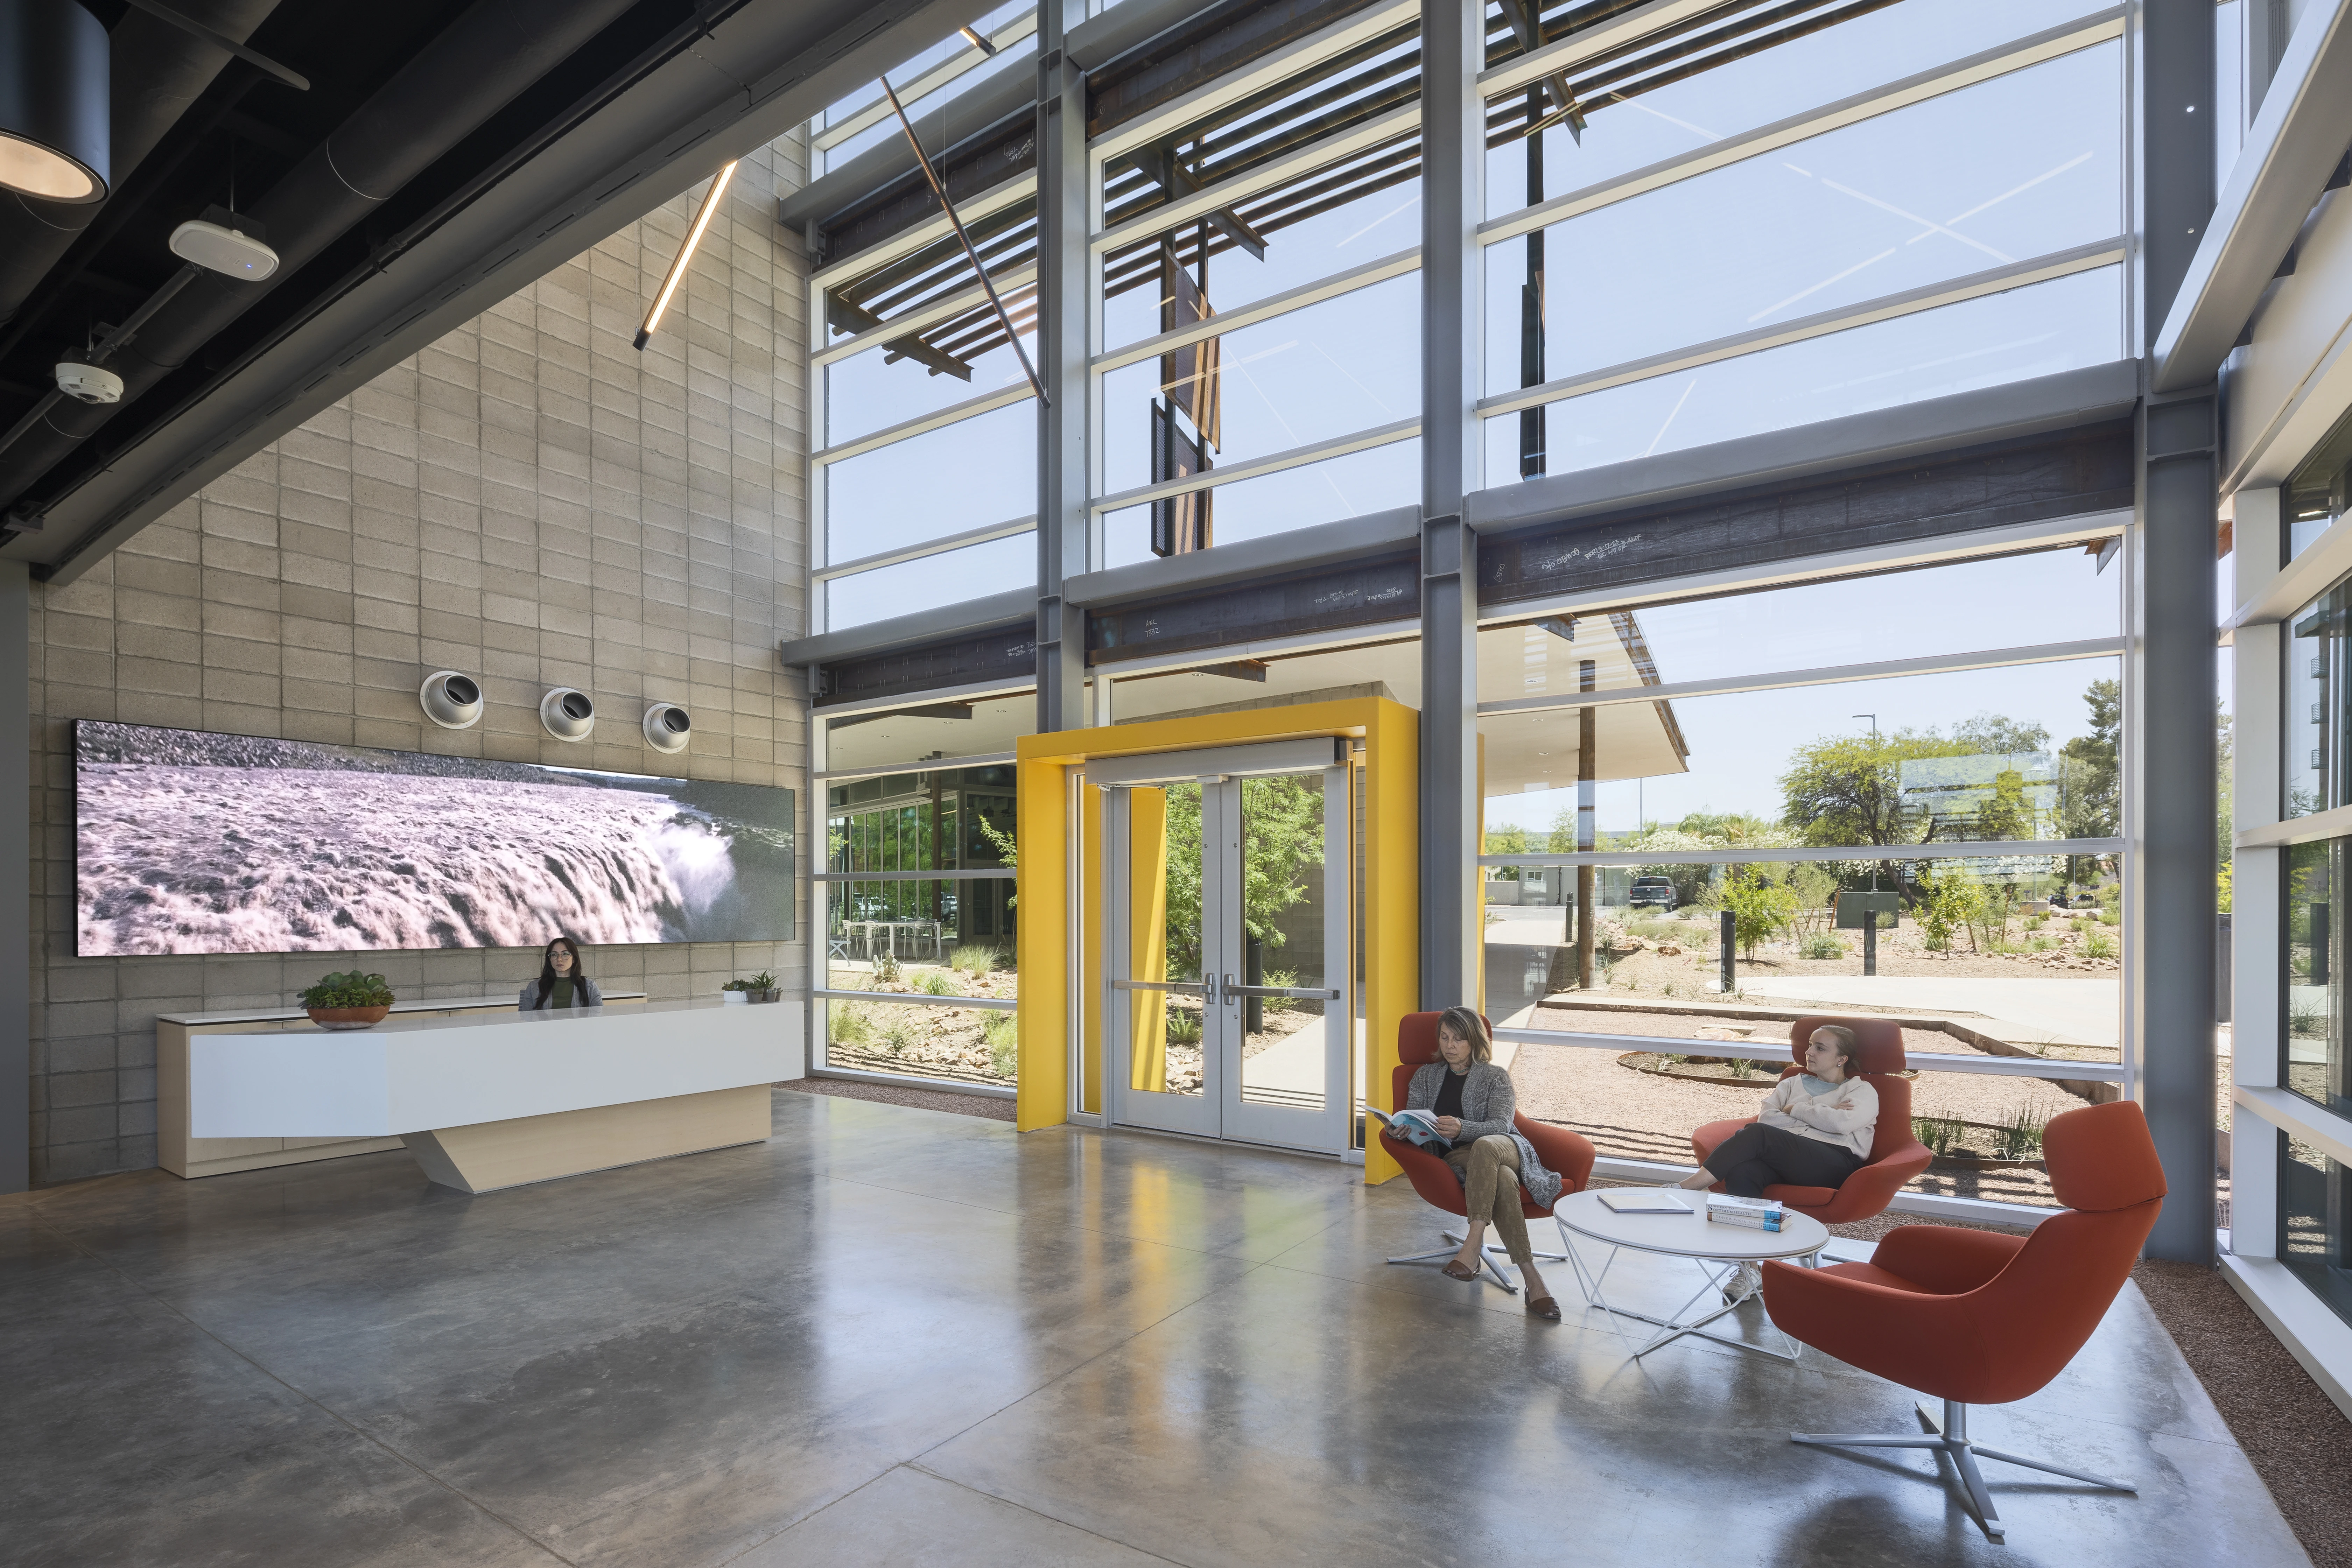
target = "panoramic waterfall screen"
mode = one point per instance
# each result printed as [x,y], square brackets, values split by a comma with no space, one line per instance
[188,842]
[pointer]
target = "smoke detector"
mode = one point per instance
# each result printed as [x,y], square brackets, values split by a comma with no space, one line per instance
[88,384]
[223,249]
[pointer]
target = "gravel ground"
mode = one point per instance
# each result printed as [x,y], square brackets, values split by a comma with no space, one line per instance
[985,1105]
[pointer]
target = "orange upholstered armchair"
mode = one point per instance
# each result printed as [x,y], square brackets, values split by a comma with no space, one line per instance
[1569,1153]
[1895,1154]
[1973,1317]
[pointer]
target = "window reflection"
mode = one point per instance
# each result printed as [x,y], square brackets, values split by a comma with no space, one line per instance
[2313,729]
[2320,491]
[2315,1239]
[2312,1037]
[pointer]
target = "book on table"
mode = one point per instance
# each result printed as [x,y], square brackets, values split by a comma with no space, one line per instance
[1749,1214]
[1645,1200]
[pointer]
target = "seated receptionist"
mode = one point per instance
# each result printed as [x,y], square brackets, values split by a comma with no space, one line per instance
[1815,1129]
[1475,1101]
[561,982]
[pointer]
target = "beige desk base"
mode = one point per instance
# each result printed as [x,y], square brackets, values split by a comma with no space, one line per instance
[183,1154]
[489,1155]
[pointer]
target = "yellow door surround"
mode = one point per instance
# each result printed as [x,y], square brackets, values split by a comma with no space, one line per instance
[1391,899]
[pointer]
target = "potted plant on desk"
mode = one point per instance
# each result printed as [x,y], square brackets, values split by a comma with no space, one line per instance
[351,1000]
[761,987]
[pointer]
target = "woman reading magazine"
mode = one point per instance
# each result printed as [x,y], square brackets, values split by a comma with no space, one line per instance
[1474,1102]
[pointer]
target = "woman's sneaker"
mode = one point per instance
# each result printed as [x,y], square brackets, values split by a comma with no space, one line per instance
[1745,1281]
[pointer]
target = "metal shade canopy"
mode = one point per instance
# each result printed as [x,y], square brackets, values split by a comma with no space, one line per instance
[55,115]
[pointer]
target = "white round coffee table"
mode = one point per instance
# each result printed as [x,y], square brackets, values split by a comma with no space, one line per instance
[1690,1236]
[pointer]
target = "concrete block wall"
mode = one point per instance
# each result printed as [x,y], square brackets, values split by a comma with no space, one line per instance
[529,500]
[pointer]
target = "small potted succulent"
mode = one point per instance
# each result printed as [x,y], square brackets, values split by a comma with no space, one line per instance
[352,1000]
[761,987]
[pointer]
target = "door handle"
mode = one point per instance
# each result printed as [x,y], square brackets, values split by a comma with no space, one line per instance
[1304,993]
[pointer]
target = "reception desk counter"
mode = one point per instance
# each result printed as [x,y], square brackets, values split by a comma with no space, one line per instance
[485,1098]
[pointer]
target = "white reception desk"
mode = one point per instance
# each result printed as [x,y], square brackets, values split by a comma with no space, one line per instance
[486,1100]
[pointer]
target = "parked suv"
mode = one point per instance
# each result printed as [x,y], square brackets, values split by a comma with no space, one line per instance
[1651,892]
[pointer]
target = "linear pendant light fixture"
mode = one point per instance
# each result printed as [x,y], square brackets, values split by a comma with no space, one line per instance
[684,254]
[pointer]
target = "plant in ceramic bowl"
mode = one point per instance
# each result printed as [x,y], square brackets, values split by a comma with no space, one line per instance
[761,987]
[350,1000]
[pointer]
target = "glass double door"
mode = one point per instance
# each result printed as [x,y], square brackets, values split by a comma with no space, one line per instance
[1227,1008]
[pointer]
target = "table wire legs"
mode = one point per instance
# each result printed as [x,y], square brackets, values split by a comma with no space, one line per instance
[1488,1255]
[1676,1325]
[1950,1437]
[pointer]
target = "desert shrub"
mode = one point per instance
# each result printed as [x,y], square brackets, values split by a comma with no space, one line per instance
[1950,901]
[1942,1135]
[2039,945]
[2035,922]
[2080,924]
[1741,1067]
[2020,1134]
[1002,1032]
[886,967]
[898,1030]
[2308,1022]
[1183,1027]
[1823,945]
[972,959]
[852,1023]
[2098,944]
[1758,908]
[1285,979]
[937,982]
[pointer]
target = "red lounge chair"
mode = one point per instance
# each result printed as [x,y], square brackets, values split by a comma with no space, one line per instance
[1895,1155]
[1569,1153]
[1971,1317]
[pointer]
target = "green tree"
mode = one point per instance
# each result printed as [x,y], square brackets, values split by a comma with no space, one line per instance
[1282,842]
[1847,790]
[1505,841]
[1991,734]
[1759,907]
[1947,902]
[2008,814]
[2090,778]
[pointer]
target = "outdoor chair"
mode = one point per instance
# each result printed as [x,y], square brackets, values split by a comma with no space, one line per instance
[1567,1153]
[1973,1317]
[1895,1154]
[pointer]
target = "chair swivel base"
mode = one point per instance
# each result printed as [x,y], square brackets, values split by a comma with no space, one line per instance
[1950,1437]
[1487,1254]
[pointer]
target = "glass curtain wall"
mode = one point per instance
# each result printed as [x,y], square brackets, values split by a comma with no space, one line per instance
[916,897]
[1785,785]
[1923,198]
[1286,217]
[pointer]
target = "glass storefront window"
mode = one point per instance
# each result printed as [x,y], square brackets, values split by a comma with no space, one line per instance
[2014,601]
[1350,485]
[2313,730]
[873,390]
[930,581]
[2318,492]
[971,474]
[2315,1239]
[2040,329]
[2020,166]
[1321,372]
[1757,89]
[2312,1040]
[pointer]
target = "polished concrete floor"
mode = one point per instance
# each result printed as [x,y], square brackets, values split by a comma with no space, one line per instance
[899,1336]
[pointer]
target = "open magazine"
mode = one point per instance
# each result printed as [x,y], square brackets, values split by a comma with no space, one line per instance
[1416,1126]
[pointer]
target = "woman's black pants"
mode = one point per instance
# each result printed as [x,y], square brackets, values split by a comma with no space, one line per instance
[1757,1157]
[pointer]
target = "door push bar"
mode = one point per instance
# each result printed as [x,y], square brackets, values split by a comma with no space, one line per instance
[1304,994]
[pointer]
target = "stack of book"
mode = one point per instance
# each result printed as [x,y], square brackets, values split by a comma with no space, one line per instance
[1751,1214]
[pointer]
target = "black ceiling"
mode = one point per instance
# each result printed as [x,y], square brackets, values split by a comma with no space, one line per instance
[446,152]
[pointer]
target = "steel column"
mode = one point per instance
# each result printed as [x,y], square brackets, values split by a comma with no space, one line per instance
[15,878]
[1062,343]
[2170,787]
[1452,141]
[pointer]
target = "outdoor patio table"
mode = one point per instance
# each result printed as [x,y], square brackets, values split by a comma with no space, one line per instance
[1690,1236]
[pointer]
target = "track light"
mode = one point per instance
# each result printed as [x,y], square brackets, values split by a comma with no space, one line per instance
[56,101]
[977,42]
[684,254]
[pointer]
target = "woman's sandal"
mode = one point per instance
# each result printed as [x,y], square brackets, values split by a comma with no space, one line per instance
[1455,1270]
[1543,1307]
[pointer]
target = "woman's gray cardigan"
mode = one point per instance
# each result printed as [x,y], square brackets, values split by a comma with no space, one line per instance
[530,997]
[1488,1103]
